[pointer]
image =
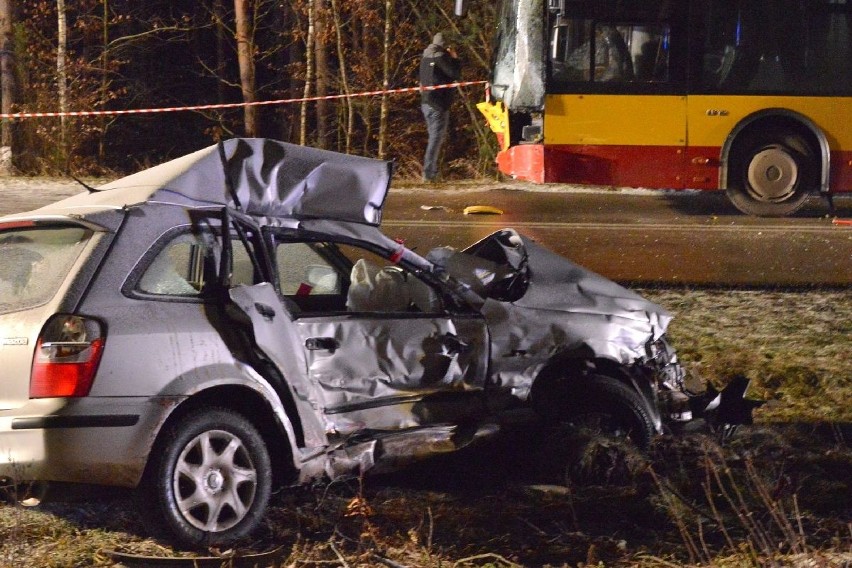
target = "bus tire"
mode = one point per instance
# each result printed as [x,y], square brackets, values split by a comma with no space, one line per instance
[771,172]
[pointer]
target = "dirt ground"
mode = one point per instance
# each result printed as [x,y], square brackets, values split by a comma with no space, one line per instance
[778,493]
[773,496]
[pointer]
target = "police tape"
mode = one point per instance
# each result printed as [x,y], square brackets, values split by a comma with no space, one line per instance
[20,115]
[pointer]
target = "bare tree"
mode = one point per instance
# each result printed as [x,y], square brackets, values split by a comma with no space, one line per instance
[344,80]
[309,73]
[103,120]
[386,43]
[219,22]
[323,74]
[62,74]
[7,85]
[245,58]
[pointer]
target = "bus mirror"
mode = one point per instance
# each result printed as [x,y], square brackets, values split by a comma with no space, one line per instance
[460,7]
[556,6]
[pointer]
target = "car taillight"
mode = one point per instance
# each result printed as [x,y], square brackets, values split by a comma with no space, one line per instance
[66,357]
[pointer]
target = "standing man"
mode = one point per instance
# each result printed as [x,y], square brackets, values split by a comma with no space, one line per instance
[439,66]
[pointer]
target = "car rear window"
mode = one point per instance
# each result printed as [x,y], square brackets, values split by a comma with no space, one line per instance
[34,262]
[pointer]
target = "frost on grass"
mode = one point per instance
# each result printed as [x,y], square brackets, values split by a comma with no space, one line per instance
[793,345]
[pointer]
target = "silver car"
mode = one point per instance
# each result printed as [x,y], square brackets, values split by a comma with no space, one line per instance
[234,320]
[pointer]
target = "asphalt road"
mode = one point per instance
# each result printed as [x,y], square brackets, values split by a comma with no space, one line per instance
[639,236]
[630,236]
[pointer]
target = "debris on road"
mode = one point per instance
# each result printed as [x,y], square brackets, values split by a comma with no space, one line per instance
[482,210]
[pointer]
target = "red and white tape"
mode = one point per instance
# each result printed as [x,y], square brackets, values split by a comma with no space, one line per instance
[18,115]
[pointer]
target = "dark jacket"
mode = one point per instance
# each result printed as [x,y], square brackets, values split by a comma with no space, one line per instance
[438,68]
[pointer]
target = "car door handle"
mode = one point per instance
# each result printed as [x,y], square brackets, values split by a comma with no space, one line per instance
[267,312]
[321,344]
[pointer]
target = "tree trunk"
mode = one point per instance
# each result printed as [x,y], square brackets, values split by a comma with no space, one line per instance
[323,75]
[344,80]
[102,120]
[219,22]
[245,58]
[62,77]
[383,114]
[7,85]
[309,72]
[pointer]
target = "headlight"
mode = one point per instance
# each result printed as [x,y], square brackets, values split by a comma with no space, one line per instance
[663,360]
[658,350]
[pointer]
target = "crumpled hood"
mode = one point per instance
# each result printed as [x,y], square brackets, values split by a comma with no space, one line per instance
[556,283]
[539,305]
[567,308]
[566,311]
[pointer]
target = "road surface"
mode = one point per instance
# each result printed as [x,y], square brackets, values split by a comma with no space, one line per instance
[631,236]
[648,237]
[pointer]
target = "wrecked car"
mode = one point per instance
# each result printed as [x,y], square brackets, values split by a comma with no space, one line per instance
[234,320]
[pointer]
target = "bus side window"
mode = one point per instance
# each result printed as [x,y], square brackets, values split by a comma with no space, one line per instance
[628,52]
[613,61]
[649,48]
[570,45]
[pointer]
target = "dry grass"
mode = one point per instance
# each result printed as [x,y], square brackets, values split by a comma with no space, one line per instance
[795,346]
[778,495]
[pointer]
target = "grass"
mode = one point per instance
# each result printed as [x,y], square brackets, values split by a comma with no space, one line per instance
[795,346]
[779,494]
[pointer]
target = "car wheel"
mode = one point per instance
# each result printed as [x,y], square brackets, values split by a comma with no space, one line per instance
[603,405]
[209,481]
[771,173]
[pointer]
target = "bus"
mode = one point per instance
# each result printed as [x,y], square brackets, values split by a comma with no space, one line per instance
[753,97]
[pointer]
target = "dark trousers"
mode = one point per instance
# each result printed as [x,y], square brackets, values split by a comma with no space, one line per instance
[437,121]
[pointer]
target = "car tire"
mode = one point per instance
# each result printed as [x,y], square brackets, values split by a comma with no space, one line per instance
[606,406]
[771,172]
[209,479]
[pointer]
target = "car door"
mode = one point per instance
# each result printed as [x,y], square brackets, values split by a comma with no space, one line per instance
[382,347]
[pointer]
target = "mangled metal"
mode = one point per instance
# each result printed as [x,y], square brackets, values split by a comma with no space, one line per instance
[269,178]
[251,278]
[518,76]
[539,306]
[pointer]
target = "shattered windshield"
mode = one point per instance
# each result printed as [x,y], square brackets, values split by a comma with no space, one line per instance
[518,74]
[504,48]
[35,262]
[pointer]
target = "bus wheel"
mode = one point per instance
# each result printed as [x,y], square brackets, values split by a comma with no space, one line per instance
[771,173]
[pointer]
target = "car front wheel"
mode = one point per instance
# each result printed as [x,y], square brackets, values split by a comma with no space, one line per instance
[209,481]
[606,406]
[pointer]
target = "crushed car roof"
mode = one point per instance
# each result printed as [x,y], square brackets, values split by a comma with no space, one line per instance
[270,179]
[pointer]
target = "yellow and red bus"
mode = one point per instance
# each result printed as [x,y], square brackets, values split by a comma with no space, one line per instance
[750,96]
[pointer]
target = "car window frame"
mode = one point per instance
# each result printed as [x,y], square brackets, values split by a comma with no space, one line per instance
[208,293]
[452,304]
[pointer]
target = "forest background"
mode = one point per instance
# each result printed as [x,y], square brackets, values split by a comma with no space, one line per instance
[97,55]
